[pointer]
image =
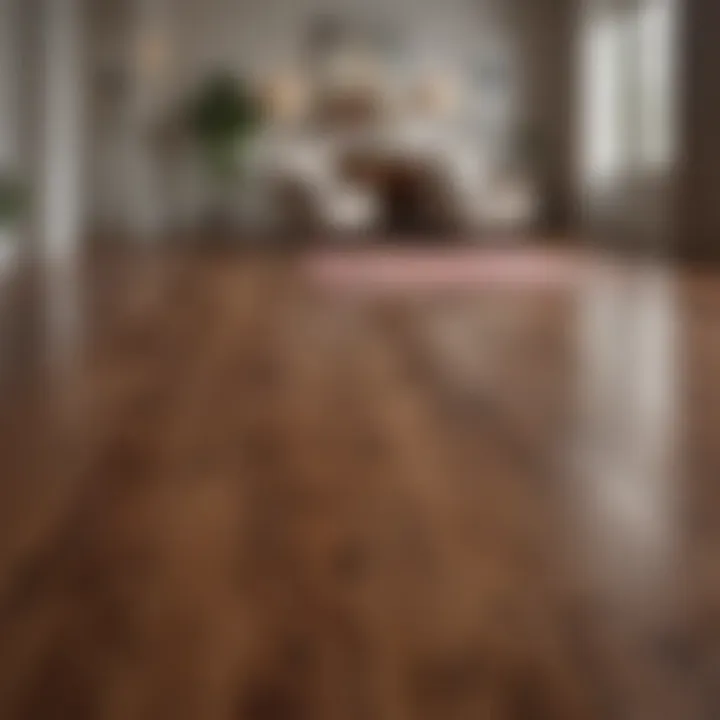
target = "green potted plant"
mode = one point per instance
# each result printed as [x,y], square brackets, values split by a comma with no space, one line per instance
[223,116]
[12,199]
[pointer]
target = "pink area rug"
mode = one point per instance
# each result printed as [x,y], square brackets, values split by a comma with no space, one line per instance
[400,269]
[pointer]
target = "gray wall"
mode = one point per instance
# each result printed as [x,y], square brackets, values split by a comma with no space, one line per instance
[9,101]
[41,118]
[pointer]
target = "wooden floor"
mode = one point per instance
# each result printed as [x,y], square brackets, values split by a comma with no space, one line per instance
[227,494]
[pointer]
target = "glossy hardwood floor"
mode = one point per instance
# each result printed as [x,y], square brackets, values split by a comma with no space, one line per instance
[228,494]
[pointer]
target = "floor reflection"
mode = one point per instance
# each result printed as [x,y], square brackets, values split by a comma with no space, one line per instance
[625,497]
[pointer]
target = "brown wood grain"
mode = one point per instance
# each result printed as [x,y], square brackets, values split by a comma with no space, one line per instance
[226,494]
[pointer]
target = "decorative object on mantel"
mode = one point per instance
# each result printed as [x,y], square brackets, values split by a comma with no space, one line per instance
[286,96]
[437,96]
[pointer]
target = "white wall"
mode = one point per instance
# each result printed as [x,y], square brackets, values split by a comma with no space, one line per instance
[248,36]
